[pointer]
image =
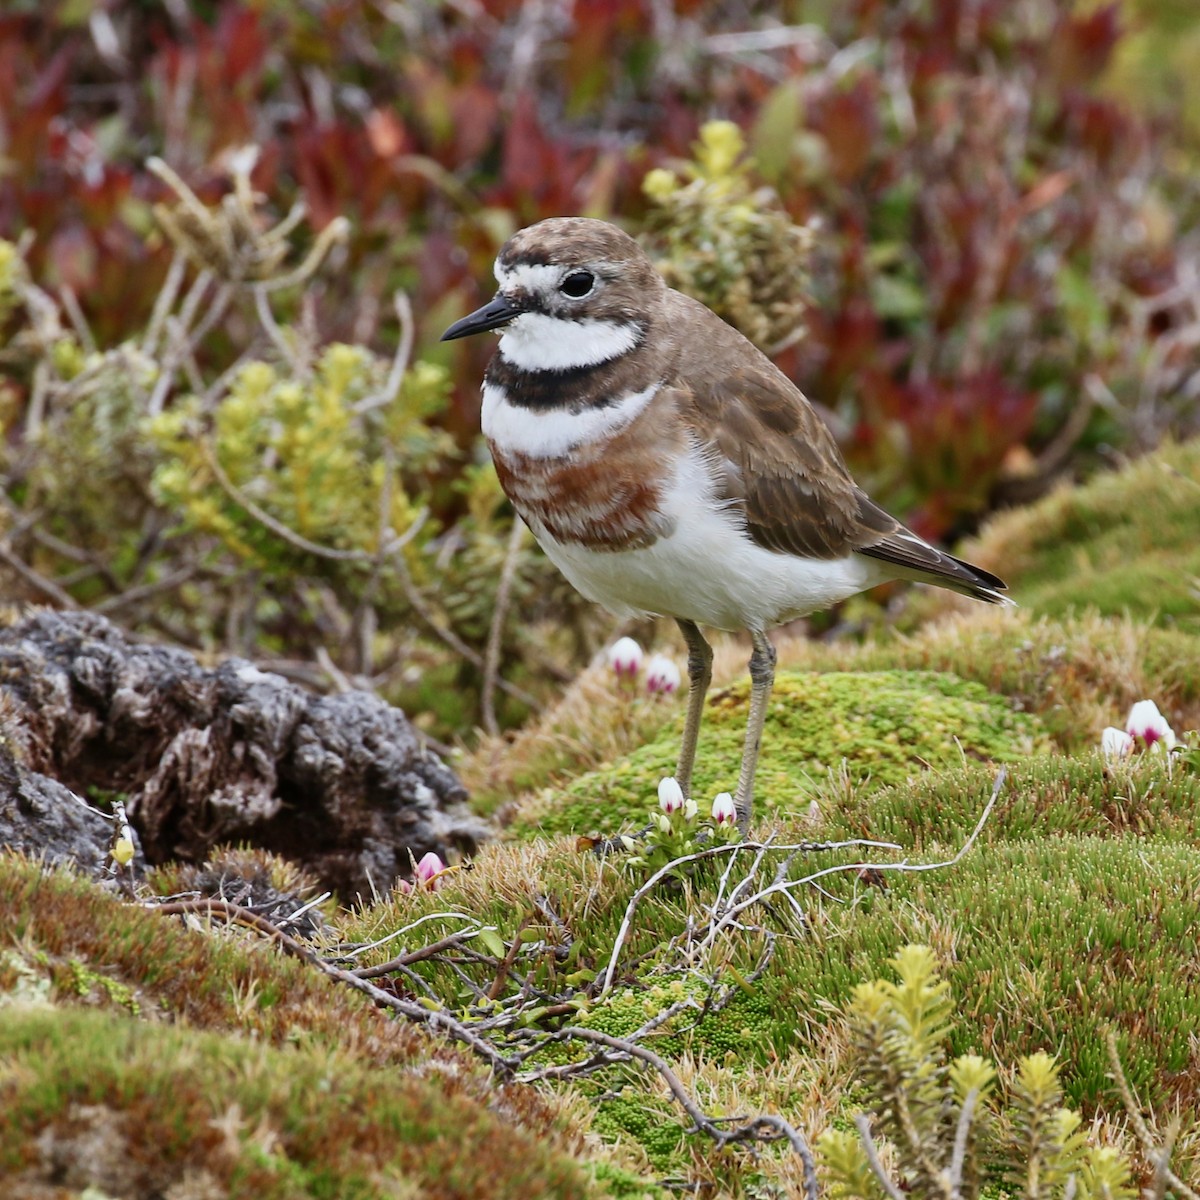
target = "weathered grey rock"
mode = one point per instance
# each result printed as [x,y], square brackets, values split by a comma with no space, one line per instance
[342,785]
[39,816]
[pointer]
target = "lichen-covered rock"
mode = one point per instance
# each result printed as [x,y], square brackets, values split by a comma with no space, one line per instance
[886,725]
[343,785]
[41,817]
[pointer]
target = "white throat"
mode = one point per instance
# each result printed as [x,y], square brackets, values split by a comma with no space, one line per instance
[536,342]
[556,432]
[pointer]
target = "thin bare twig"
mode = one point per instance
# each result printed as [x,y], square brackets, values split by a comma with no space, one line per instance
[164,302]
[266,318]
[399,933]
[419,605]
[36,580]
[79,323]
[435,1019]
[961,1133]
[748,1131]
[339,677]
[713,852]
[391,388]
[336,231]
[868,1142]
[144,591]
[449,942]
[506,964]
[787,885]
[1150,1145]
[491,658]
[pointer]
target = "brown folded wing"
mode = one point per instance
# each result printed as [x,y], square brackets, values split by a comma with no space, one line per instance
[778,463]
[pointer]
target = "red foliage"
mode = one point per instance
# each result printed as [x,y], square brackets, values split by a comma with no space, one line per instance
[961,158]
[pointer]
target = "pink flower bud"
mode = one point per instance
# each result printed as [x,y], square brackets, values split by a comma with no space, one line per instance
[1147,723]
[662,675]
[670,795]
[625,657]
[428,870]
[724,811]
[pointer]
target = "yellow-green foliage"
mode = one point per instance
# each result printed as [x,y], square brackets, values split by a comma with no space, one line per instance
[917,1097]
[1124,542]
[12,267]
[887,725]
[728,244]
[310,452]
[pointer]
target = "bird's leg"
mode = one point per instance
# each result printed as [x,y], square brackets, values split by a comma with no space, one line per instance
[700,658]
[762,679]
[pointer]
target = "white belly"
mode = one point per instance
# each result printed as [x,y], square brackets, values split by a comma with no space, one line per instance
[708,570]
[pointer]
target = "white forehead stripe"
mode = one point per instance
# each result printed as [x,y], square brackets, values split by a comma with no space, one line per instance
[556,431]
[539,277]
[536,342]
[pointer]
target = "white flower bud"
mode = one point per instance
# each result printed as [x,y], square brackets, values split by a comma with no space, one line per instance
[1115,743]
[670,794]
[662,675]
[724,811]
[1147,723]
[625,657]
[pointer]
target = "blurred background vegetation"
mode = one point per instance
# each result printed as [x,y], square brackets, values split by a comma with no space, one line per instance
[232,233]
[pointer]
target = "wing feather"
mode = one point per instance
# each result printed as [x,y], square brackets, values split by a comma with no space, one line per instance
[775,460]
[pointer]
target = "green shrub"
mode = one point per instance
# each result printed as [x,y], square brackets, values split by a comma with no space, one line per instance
[940,1114]
[719,239]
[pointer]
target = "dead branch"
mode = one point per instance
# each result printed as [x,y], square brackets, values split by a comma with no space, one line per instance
[491,658]
[709,852]
[748,1131]
[1158,1153]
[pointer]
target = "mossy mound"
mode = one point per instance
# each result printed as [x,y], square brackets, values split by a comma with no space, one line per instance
[1125,542]
[146,1059]
[62,930]
[1052,796]
[886,725]
[1046,942]
[139,1109]
[1076,910]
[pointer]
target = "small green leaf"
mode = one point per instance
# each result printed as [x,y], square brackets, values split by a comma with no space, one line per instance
[492,942]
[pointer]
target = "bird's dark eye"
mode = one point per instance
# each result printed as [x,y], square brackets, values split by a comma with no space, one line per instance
[577,284]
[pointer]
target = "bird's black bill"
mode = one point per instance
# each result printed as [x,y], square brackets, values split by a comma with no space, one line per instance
[499,310]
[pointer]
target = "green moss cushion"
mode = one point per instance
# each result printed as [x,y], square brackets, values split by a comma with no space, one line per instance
[886,725]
